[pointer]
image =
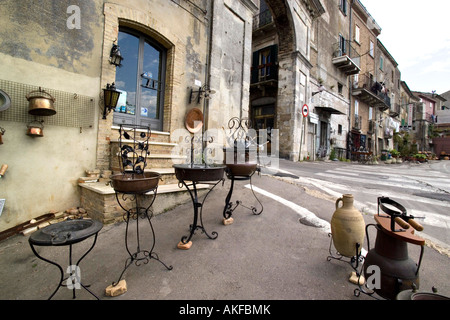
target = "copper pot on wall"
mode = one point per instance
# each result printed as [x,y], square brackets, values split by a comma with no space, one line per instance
[40,103]
[2,132]
[35,129]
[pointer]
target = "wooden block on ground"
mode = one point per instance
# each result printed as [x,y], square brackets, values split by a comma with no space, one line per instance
[117,290]
[354,279]
[228,221]
[184,246]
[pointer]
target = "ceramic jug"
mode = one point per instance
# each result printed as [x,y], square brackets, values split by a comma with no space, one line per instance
[347,227]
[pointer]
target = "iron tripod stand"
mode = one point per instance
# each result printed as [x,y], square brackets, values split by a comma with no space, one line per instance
[73,280]
[354,261]
[228,209]
[68,232]
[198,216]
[134,213]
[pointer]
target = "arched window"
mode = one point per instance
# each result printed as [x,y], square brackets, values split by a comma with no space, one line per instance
[141,80]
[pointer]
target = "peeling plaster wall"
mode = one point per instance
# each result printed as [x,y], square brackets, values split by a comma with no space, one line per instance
[230,61]
[37,48]
[208,41]
[37,31]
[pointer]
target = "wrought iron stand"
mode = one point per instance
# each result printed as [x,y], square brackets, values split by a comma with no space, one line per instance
[198,216]
[239,167]
[140,255]
[228,209]
[133,183]
[353,261]
[61,234]
[363,288]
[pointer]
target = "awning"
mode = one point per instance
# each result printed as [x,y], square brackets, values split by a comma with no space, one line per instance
[328,109]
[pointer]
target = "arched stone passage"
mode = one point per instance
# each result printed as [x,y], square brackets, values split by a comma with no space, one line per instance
[293,21]
[285,106]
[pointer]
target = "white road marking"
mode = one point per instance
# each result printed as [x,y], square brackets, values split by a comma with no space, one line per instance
[431,219]
[302,212]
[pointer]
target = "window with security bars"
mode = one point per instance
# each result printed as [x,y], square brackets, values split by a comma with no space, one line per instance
[264,66]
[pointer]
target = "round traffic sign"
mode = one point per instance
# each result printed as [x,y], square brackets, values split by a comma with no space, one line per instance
[305,110]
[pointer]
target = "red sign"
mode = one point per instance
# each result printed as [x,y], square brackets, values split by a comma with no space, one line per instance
[305,110]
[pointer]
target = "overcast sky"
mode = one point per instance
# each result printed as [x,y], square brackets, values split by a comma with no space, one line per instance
[417,34]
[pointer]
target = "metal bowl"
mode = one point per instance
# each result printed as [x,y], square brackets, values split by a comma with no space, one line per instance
[241,169]
[428,296]
[65,232]
[199,172]
[135,183]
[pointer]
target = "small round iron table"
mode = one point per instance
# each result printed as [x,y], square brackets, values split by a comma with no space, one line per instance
[67,233]
[234,172]
[205,174]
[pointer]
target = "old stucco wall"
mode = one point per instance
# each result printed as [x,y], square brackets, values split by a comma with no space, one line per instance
[37,48]
[230,61]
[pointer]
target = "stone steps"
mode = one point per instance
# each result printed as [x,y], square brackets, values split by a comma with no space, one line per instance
[99,198]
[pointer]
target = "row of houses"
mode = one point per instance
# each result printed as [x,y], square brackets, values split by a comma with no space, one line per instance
[263,60]
[348,79]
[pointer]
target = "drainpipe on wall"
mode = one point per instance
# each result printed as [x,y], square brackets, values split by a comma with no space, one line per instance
[208,69]
[350,88]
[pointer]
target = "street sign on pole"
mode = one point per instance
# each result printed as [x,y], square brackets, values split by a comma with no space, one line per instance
[305,110]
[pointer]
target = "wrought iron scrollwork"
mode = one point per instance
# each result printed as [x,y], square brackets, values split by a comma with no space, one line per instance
[239,129]
[134,148]
[133,153]
[242,145]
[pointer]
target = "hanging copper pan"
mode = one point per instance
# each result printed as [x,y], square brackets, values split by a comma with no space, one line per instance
[2,132]
[40,103]
[194,120]
[35,129]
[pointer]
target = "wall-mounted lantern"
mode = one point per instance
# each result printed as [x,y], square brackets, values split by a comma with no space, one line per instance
[115,57]
[203,91]
[110,99]
[321,89]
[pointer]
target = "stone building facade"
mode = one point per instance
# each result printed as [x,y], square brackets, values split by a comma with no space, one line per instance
[363,109]
[64,48]
[265,60]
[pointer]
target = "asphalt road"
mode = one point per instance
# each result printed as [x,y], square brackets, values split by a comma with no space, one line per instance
[423,189]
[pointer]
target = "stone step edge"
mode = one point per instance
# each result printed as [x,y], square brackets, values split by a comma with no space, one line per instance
[158,156]
[102,188]
[156,132]
[156,143]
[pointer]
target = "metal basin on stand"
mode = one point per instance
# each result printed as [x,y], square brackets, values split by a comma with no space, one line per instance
[135,183]
[198,172]
[240,164]
[66,232]
[241,169]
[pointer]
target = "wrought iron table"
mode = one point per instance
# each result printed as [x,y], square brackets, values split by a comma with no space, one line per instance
[212,175]
[235,172]
[67,233]
[131,187]
[134,184]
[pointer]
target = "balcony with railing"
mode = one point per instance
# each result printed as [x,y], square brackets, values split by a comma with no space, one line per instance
[394,110]
[262,19]
[346,58]
[371,92]
[372,127]
[357,122]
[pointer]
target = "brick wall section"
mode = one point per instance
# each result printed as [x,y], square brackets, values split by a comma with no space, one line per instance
[441,144]
[101,207]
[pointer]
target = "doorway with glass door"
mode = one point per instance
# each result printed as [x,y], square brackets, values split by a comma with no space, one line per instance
[140,80]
